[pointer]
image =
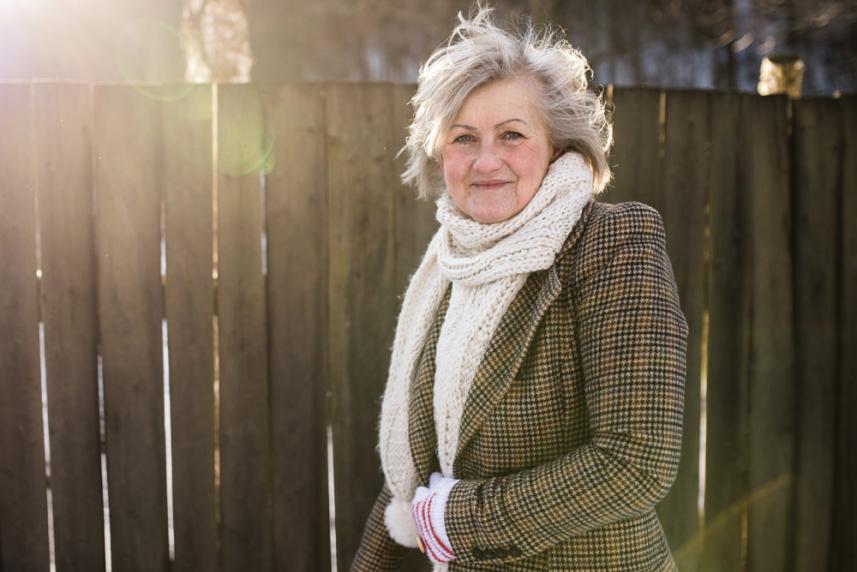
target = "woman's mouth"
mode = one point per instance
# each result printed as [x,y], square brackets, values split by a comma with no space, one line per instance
[489,185]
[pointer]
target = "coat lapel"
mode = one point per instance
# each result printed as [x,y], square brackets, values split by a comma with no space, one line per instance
[510,342]
[506,351]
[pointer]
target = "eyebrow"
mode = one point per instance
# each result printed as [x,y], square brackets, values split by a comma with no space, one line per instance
[469,128]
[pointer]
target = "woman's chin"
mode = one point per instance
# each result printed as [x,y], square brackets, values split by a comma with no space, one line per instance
[490,214]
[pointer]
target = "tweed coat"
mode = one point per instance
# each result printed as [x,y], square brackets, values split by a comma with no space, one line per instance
[572,429]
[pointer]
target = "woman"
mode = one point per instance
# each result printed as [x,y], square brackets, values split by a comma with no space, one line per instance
[533,412]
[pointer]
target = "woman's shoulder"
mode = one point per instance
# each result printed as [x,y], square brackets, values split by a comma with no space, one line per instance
[621,220]
[604,227]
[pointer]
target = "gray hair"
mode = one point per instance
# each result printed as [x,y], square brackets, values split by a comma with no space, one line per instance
[479,52]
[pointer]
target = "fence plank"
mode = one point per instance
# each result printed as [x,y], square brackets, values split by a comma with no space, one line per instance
[63,115]
[772,363]
[681,200]
[189,299]
[130,309]
[816,156]
[244,407]
[727,406]
[636,157]
[23,505]
[844,549]
[361,199]
[297,313]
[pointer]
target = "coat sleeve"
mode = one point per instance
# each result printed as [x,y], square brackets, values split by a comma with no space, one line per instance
[632,338]
[377,551]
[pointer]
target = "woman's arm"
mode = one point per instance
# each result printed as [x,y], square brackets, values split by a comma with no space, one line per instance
[377,551]
[632,339]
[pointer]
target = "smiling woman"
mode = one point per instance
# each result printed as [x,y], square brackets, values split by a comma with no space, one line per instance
[514,434]
[494,161]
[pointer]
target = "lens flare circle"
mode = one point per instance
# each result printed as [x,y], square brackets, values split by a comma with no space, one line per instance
[145,53]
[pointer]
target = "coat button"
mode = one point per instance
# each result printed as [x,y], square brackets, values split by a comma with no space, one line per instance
[514,551]
[478,553]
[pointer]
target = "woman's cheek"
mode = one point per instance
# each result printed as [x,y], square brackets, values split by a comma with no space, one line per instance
[456,154]
[528,153]
[455,165]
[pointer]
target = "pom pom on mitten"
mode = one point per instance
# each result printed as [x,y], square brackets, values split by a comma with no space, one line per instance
[400,524]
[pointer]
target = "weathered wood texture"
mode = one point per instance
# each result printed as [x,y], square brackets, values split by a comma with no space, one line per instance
[296,222]
[289,241]
[63,115]
[772,362]
[816,154]
[244,397]
[189,299]
[361,188]
[844,526]
[23,505]
[130,306]
[637,156]
[729,313]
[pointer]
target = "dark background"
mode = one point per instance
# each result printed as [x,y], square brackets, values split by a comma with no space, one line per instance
[669,43]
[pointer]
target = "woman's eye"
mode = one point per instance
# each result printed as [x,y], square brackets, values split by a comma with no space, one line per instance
[465,138]
[512,136]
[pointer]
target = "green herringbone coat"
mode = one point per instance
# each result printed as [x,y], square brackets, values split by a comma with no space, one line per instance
[572,429]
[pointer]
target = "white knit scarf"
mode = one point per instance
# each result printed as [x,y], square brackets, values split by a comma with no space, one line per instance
[487,265]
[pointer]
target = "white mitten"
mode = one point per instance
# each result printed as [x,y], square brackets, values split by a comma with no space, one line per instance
[428,509]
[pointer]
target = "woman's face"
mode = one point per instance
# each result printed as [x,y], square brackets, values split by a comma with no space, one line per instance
[496,152]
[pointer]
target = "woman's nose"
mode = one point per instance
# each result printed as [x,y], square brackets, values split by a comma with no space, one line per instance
[487,161]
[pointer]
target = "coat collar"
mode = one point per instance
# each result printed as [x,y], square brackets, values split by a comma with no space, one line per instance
[499,366]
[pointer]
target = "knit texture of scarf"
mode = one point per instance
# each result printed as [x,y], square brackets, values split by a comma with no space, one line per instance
[487,265]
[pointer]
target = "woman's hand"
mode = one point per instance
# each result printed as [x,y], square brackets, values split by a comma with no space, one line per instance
[427,509]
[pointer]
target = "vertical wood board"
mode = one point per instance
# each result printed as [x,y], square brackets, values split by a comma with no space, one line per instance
[189,305]
[816,129]
[63,132]
[844,526]
[361,199]
[636,155]
[727,406]
[244,396]
[130,304]
[23,504]
[772,365]
[297,314]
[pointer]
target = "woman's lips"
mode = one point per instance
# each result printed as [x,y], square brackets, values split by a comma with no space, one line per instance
[488,185]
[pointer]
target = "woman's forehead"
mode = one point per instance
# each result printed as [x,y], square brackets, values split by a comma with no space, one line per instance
[497,103]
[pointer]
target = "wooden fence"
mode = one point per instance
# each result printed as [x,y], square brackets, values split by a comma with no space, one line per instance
[261,236]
